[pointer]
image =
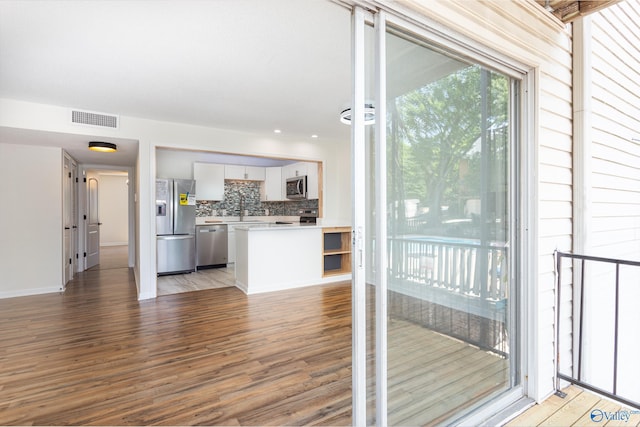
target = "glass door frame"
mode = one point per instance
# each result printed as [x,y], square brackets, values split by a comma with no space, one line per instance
[522,313]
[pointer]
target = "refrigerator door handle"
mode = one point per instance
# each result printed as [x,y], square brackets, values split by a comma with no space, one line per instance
[176,237]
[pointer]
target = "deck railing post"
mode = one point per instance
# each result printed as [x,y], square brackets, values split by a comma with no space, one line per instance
[581,319]
[558,302]
[615,331]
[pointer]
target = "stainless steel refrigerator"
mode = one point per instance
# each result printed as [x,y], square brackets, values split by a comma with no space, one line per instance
[175,225]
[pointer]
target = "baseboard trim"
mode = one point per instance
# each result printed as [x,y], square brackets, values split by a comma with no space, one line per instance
[28,292]
[114,244]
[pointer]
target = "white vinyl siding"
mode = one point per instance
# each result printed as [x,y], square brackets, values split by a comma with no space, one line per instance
[523,31]
[615,178]
[613,184]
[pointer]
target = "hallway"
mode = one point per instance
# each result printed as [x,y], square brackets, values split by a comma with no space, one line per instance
[113,257]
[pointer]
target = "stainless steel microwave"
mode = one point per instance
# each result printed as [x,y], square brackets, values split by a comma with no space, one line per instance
[297,187]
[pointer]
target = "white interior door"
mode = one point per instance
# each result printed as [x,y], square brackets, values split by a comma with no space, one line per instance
[74,217]
[93,224]
[67,215]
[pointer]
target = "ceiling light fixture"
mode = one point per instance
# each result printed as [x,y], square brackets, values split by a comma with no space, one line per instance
[277,131]
[369,115]
[103,147]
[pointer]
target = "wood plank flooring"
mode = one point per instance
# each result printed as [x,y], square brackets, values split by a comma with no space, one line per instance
[576,409]
[94,355]
[116,256]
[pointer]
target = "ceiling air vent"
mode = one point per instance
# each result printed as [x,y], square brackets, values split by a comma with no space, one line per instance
[93,118]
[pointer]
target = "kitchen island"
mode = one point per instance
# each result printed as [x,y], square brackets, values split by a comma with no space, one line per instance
[273,257]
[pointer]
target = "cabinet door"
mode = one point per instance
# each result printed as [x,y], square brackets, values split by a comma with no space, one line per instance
[312,180]
[234,172]
[255,173]
[272,185]
[244,173]
[294,169]
[209,181]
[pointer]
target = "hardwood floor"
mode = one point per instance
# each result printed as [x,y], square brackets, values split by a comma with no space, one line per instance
[113,257]
[94,355]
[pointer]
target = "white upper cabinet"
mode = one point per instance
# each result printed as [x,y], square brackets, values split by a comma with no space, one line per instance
[312,180]
[255,173]
[294,169]
[244,173]
[273,188]
[209,181]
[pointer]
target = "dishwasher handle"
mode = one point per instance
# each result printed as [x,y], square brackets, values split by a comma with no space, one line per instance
[208,230]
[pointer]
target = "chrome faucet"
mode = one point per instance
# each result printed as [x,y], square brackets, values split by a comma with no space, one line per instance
[241,208]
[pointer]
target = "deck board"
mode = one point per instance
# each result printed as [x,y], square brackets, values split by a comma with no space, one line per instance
[574,410]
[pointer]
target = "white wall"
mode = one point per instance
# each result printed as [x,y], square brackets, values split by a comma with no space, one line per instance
[30,220]
[113,196]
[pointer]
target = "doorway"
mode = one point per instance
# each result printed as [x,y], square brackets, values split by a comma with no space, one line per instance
[107,210]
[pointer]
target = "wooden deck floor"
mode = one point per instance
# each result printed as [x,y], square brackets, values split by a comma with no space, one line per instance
[577,409]
[432,377]
[94,355]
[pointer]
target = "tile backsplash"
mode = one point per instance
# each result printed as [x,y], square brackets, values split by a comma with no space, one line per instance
[250,190]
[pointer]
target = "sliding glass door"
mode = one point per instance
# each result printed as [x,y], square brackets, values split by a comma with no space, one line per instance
[438,295]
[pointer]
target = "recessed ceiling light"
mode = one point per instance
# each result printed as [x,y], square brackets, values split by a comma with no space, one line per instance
[314,136]
[277,131]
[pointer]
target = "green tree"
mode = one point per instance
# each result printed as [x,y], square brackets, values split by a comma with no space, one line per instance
[436,127]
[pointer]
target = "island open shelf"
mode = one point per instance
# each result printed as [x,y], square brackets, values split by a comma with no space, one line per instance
[336,251]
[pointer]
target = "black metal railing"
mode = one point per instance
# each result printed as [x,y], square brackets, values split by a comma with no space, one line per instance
[577,375]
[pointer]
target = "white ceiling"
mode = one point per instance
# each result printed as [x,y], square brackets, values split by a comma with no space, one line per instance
[251,65]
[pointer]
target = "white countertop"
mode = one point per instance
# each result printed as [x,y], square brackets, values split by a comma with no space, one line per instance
[294,226]
[268,223]
[212,220]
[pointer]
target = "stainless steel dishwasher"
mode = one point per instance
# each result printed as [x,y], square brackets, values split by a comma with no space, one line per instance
[211,245]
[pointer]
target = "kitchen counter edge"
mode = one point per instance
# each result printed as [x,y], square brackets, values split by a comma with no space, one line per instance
[294,226]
